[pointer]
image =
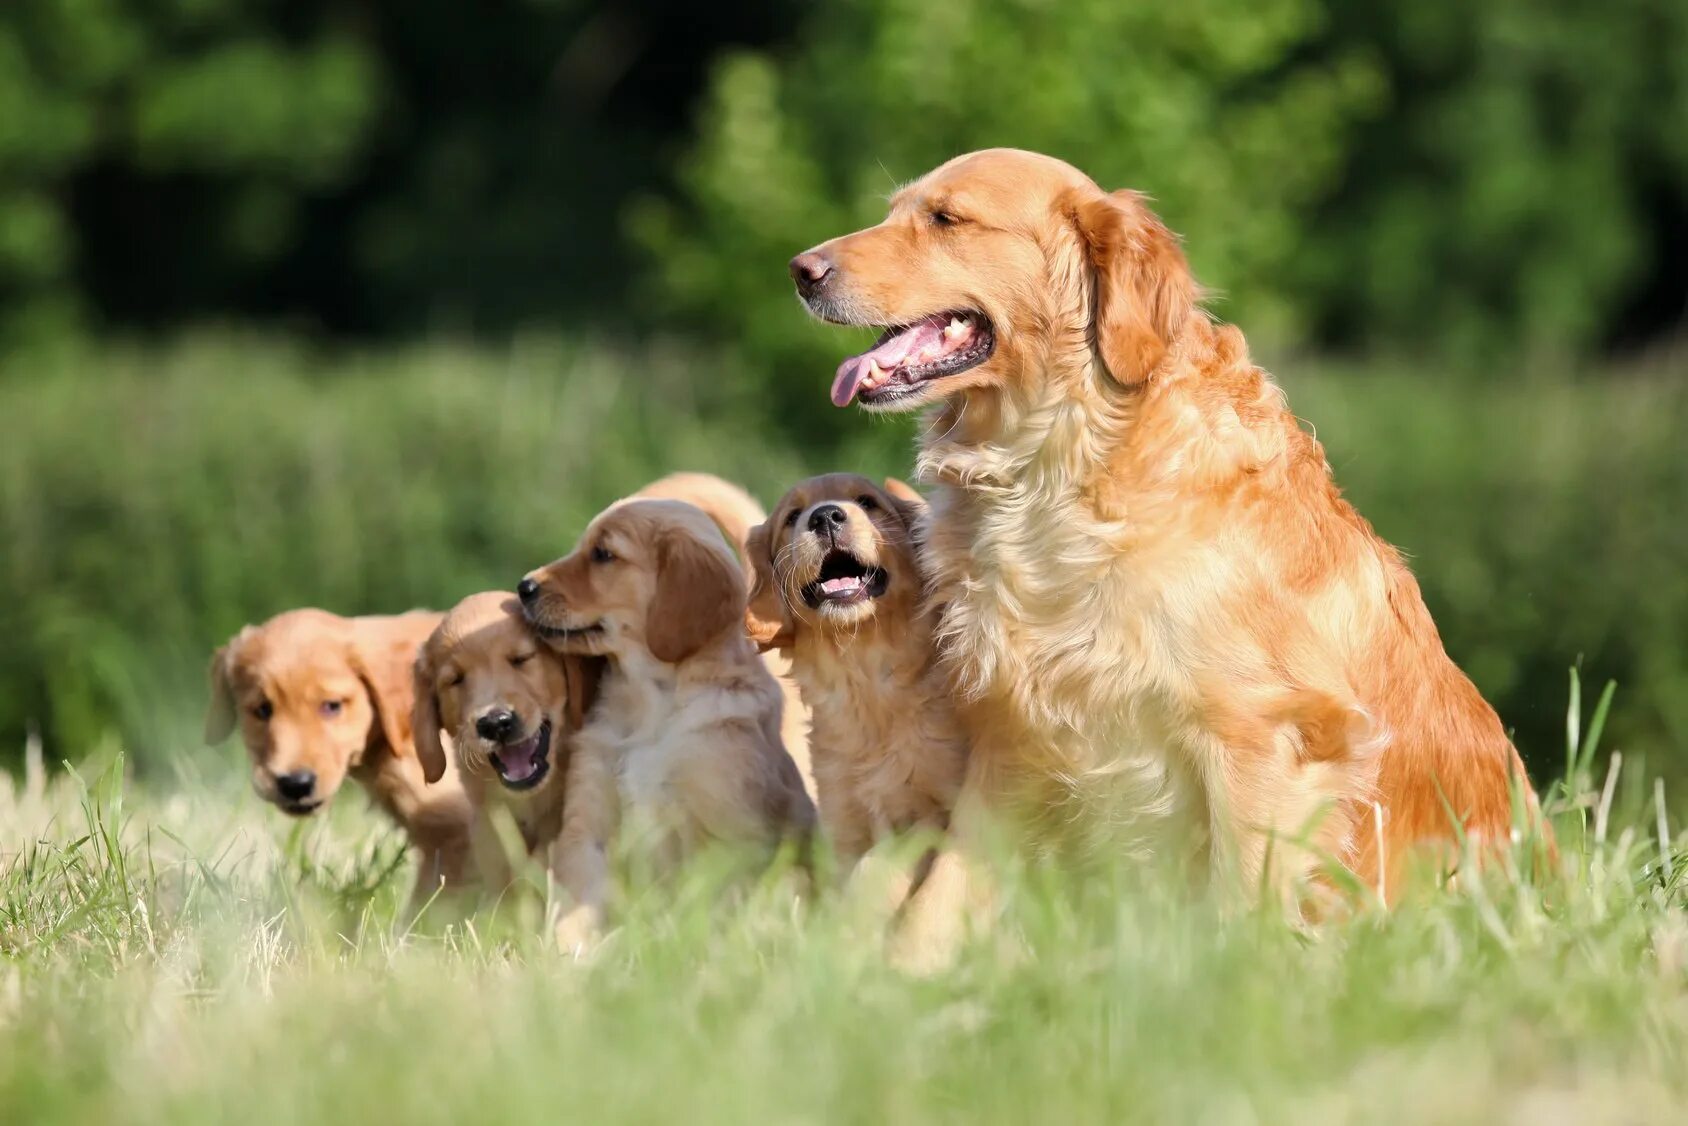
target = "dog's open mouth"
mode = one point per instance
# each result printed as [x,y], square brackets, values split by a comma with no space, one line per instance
[843,580]
[907,356]
[299,808]
[523,765]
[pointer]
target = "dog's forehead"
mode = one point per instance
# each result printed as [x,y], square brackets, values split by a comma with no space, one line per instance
[1003,180]
[831,486]
[296,649]
[492,617]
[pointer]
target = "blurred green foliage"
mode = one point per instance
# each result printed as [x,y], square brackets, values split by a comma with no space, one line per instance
[1450,179]
[1440,178]
[156,501]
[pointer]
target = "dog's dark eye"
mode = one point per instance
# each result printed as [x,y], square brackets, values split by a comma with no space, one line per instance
[944,219]
[331,708]
[791,518]
[454,680]
[263,711]
[602,554]
[519,659]
[866,503]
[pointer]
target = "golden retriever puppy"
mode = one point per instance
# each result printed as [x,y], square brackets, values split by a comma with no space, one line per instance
[838,587]
[319,698]
[511,707]
[736,512]
[1154,598]
[684,743]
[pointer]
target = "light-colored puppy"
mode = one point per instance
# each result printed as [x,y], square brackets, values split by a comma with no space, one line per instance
[684,743]
[319,698]
[1156,604]
[511,707]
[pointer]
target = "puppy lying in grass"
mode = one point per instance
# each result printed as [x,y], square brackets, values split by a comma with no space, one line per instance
[319,698]
[511,707]
[838,587]
[684,743]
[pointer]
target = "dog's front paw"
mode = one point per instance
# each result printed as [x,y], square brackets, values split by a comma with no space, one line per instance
[578,931]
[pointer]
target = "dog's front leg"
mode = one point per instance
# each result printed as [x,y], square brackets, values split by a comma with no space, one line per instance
[579,858]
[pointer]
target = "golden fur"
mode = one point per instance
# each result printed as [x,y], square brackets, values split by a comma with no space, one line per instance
[483,661]
[315,692]
[1154,598]
[888,750]
[684,742]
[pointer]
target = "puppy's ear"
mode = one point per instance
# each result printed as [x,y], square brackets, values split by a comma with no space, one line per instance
[767,619]
[220,713]
[699,593]
[910,505]
[1144,291]
[425,718]
[385,666]
[581,674]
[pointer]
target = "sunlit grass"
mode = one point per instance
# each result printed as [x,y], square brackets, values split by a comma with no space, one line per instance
[190,957]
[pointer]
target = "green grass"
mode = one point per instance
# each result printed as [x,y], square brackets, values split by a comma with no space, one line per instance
[190,957]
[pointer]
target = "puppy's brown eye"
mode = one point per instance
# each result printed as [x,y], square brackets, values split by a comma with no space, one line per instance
[866,503]
[331,708]
[454,680]
[944,219]
[263,711]
[791,518]
[602,554]
[520,659]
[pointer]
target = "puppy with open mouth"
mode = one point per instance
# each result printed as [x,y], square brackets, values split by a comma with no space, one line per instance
[510,705]
[684,746]
[838,587]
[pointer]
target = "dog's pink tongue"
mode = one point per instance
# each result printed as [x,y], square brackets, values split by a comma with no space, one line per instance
[517,763]
[849,378]
[888,354]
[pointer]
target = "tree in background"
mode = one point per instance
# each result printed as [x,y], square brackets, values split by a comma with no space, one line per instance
[1201,104]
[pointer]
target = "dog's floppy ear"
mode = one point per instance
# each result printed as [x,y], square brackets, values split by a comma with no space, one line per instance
[767,619]
[581,675]
[1144,291]
[699,593]
[910,505]
[425,717]
[385,665]
[220,713]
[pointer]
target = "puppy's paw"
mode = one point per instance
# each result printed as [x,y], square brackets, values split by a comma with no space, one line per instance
[578,931]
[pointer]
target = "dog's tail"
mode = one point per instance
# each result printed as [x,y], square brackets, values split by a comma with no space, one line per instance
[734,511]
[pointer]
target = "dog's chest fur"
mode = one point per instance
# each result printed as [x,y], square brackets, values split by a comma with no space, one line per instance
[1061,642]
[884,733]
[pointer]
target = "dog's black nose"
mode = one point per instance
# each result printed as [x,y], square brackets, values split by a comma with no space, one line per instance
[296,785]
[527,590]
[497,725]
[810,271]
[827,517]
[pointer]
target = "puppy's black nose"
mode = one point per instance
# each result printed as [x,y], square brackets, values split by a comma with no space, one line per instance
[527,590]
[810,271]
[827,518]
[296,785]
[497,725]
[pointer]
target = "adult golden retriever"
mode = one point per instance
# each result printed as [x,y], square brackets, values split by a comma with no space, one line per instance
[1155,600]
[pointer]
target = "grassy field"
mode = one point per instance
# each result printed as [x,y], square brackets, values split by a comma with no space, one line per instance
[189,957]
[171,951]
